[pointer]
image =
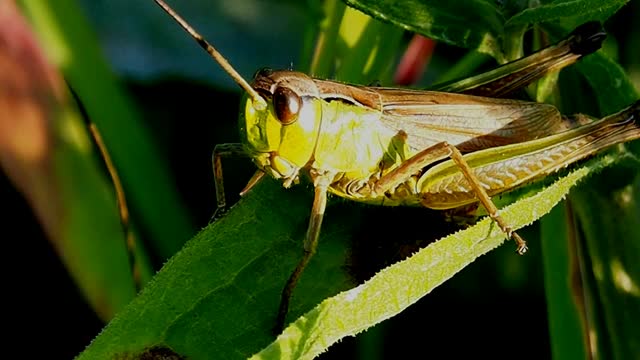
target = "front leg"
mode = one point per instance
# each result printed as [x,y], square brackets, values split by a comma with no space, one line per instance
[233,150]
[321,184]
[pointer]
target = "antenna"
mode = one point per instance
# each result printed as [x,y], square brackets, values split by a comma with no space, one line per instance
[259,102]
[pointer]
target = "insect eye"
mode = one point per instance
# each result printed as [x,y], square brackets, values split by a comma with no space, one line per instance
[286,105]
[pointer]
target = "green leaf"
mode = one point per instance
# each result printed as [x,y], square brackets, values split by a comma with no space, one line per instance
[611,252]
[571,12]
[468,24]
[49,156]
[566,318]
[218,297]
[402,284]
[609,80]
[583,257]
[606,212]
[70,45]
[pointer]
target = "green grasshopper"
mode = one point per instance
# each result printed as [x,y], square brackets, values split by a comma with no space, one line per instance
[402,147]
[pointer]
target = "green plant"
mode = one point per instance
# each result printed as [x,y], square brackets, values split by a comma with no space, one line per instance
[217,297]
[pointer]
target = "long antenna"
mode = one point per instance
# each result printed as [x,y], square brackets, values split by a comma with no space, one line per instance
[259,102]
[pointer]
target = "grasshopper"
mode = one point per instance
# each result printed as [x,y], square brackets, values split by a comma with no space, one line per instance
[402,147]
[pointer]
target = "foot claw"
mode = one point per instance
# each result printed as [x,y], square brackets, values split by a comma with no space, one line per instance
[522,249]
[521,245]
[218,213]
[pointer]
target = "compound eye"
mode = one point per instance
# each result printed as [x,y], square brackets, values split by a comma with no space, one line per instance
[286,104]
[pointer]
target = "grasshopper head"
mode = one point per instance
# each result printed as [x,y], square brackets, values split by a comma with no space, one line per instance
[281,138]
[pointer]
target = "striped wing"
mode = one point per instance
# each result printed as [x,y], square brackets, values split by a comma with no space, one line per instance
[469,122]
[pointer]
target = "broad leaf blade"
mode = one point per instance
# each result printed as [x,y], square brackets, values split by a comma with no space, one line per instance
[218,297]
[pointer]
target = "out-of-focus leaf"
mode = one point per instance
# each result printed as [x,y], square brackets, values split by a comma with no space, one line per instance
[562,278]
[69,43]
[611,254]
[606,211]
[46,152]
[575,277]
